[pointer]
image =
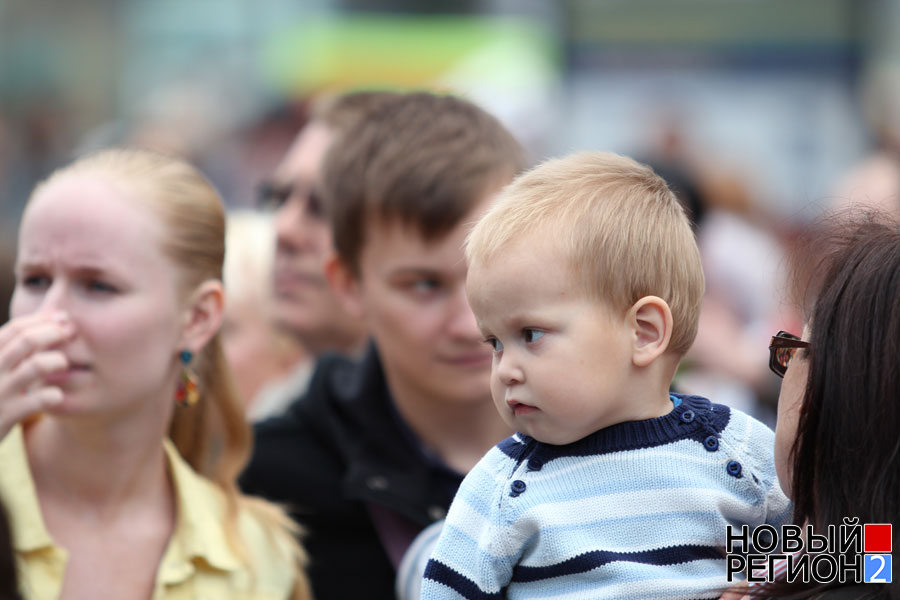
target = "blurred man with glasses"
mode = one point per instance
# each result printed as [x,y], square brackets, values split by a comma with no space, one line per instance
[303,302]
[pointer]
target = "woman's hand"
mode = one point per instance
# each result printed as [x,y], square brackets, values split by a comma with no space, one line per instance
[29,351]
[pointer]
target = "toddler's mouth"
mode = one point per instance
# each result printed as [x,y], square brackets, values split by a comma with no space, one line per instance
[519,408]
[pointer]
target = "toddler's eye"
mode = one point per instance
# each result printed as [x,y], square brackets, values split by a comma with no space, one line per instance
[494,343]
[532,335]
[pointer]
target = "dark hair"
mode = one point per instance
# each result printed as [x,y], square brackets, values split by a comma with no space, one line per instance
[423,159]
[8,578]
[846,456]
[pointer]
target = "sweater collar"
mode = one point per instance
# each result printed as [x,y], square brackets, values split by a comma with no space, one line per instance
[693,417]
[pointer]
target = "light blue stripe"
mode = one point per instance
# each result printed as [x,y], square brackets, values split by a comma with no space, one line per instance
[658,482]
[463,549]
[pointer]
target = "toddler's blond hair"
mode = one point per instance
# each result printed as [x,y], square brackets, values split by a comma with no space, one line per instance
[624,231]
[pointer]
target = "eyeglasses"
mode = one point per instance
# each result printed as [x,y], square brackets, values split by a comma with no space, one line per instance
[782,349]
[271,196]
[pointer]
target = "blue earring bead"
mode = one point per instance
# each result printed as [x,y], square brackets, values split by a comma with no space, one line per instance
[186,356]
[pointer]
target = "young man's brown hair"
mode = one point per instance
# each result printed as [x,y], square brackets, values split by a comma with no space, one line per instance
[423,159]
[342,112]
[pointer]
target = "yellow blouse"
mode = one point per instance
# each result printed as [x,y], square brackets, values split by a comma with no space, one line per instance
[198,562]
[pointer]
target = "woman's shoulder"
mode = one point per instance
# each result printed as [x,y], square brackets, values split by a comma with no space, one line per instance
[12,446]
[16,483]
[255,554]
[272,552]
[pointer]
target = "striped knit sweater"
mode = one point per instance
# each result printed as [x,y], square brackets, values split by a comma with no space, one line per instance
[638,510]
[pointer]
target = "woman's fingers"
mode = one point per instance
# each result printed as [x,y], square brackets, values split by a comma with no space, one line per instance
[16,326]
[25,338]
[28,354]
[31,402]
[28,373]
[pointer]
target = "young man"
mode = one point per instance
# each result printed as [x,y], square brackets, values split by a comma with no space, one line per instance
[377,449]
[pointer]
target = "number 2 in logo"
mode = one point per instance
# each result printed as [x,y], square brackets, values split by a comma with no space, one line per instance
[877,568]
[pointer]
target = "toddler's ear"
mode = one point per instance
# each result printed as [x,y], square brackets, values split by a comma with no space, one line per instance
[651,319]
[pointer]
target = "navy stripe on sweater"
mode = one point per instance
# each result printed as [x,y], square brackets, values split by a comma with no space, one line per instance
[437,571]
[671,555]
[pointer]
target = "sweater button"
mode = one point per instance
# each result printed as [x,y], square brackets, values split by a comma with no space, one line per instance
[711,443]
[535,464]
[734,468]
[688,416]
[518,486]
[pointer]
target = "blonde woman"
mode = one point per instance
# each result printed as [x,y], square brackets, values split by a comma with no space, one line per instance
[121,433]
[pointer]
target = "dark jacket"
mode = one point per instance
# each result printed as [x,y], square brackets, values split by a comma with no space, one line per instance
[339,455]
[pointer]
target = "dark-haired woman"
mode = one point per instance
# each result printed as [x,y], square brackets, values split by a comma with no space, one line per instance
[837,441]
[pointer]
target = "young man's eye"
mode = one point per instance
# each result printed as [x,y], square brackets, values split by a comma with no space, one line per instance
[494,343]
[532,335]
[424,286]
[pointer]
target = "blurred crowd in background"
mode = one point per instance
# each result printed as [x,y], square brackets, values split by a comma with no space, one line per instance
[761,114]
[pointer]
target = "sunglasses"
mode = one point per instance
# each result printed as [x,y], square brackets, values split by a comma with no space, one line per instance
[782,349]
[271,196]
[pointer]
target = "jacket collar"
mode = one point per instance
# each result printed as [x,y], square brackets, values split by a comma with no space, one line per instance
[386,465]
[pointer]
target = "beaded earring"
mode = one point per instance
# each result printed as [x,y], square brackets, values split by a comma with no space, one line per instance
[186,393]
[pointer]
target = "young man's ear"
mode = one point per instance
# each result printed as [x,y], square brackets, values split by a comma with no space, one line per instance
[344,285]
[204,315]
[651,319]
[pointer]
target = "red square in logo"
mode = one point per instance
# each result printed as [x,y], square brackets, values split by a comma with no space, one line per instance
[877,537]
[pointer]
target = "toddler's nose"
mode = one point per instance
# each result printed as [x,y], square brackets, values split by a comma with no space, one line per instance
[508,372]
